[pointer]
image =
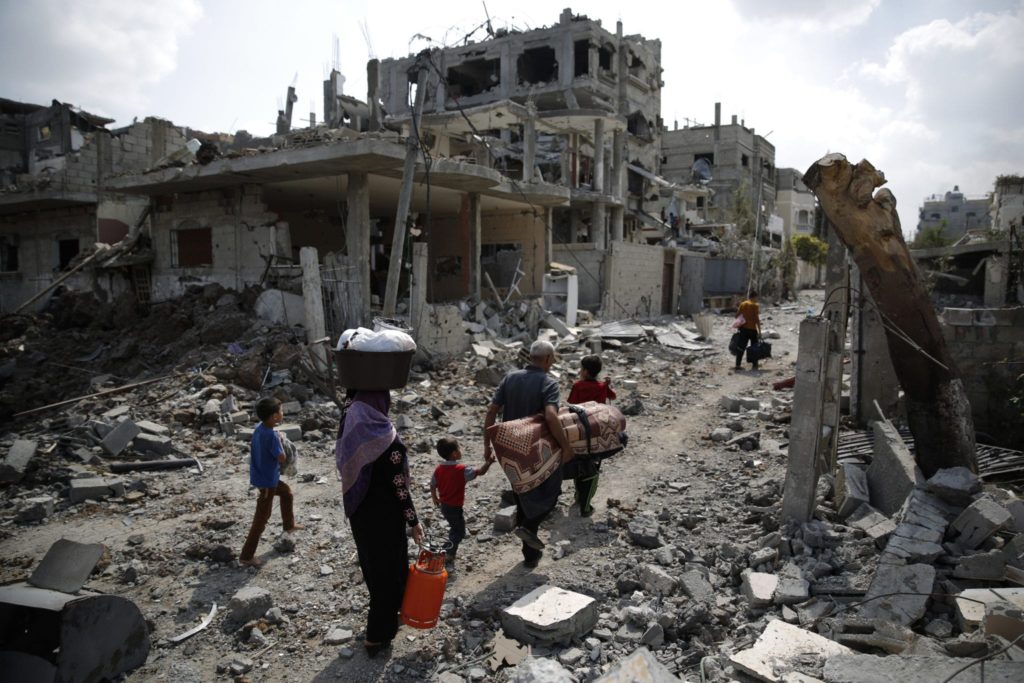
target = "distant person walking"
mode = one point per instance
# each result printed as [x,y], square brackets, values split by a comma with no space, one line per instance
[750,330]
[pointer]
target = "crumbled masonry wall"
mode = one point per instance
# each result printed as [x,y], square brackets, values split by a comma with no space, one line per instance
[589,264]
[442,334]
[449,239]
[242,233]
[634,281]
[987,345]
[38,256]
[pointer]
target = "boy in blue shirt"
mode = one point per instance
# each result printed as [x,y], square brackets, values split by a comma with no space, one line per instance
[267,456]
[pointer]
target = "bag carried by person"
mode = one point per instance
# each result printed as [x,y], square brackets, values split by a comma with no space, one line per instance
[734,343]
[758,351]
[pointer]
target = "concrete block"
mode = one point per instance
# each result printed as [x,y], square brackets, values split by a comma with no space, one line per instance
[289,407]
[892,473]
[851,489]
[549,615]
[249,603]
[645,532]
[94,488]
[990,566]
[978,521]
[759,588]
[152,427]
[505,518]
[99,427]
[730,403]
[779,649]
[873,523]
[338,636]
[1014,552]
[1015,506]
[955,485]
[19,455]
[639,667]
[657,580]
[858,668]
[792,587]
[119,437]
[153,443]
[292,431]
[916,579]
[35,509]
[750,403]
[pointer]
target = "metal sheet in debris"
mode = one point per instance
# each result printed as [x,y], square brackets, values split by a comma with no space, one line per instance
[673,339]
[66,566]
[624,329]
[993,462]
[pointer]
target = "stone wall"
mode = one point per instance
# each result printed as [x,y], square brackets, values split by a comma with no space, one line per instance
[442,334]
[633,281]
[987,345]
[38,236]
[588,261]
[242,234]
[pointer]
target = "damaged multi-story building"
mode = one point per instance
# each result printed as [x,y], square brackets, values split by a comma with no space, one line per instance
[539,162]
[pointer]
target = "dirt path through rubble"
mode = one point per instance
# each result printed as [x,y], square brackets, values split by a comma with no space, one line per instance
[163,537]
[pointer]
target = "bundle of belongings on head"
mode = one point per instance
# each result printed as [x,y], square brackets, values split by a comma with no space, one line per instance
[362,339]
[374,360]
[531,459]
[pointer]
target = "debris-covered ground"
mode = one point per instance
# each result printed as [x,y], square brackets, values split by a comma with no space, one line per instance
[684,554]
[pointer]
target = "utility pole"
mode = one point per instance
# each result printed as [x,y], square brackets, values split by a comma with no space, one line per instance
[412,147]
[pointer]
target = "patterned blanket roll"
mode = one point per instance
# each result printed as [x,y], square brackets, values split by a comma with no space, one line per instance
[529,455]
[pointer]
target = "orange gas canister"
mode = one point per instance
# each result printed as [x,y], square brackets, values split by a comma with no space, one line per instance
[424,590]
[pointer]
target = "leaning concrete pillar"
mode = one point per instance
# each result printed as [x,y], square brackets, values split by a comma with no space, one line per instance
[358,234]
[313,304]
[418,287]
[805,429]
[529,144]
[598,185]
[475,233]
[599,225]
[872,377]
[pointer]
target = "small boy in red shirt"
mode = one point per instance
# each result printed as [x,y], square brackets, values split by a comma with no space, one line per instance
[588,388]
[448,490]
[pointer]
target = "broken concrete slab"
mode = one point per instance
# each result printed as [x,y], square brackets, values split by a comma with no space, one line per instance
[645,532]
[1014,552]
[955,485]
[537,669]
[14,465]
[783,649]
[759,588]
[249,603]
[152,427]
[117,412]
[873,523]
[978,521]
[292,431]
[119,437]
[694,586]
[971,604]
[549,615]
[94,488]
[990,566]
[1003,619]
[863,634]
[857,668]
[902,550]
[893,473]
[638,667]
[914,582]
[657,580]
[851,489]
[66,566]
[153,444]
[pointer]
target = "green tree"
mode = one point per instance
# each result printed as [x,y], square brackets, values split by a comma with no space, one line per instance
[809,248]
[934,236]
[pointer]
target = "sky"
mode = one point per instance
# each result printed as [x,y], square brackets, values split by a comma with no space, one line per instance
[929,91]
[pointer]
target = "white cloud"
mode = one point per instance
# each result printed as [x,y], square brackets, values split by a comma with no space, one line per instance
[807,16]
[102,55]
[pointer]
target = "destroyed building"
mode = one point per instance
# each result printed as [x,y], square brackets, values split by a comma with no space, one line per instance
[734,161]
[955,213]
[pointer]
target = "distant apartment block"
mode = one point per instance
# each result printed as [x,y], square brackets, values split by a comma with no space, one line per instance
[955,212]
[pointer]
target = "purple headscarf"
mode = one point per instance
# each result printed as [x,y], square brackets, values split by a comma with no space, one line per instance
[366,433]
